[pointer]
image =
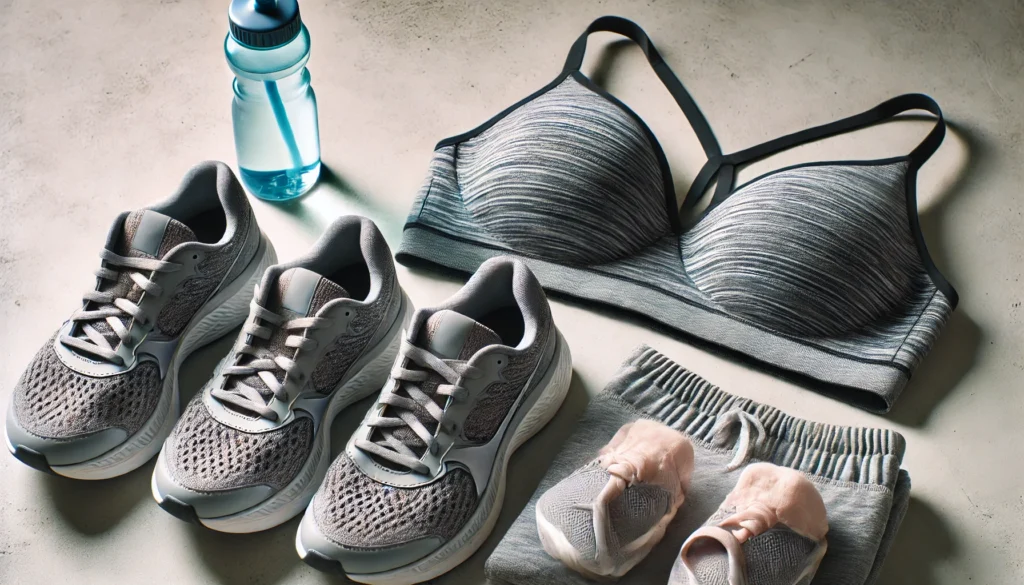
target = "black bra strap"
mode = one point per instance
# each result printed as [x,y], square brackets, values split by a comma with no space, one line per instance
[632,31]
[724,167]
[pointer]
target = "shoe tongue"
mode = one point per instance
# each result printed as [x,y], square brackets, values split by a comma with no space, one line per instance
[300,292]
[452,335]
[144,234]
[297,293]
[151,234]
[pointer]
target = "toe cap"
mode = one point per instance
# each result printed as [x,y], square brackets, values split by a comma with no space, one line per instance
[185,503]
[64,450]
[53,401]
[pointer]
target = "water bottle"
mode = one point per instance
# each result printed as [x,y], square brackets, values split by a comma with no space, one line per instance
[274,110]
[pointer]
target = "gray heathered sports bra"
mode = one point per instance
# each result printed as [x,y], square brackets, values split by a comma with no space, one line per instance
[818,269]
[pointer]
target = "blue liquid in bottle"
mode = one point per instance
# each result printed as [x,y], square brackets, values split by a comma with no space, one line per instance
[274,111]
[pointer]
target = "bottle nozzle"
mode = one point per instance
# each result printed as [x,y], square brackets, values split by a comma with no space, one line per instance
[265,6]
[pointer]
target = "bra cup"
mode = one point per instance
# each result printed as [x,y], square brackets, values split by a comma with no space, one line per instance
[568,177]
[813,251]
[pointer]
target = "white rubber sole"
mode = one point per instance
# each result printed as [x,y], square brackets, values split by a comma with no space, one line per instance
[481,524]
[225,311]
[295,497]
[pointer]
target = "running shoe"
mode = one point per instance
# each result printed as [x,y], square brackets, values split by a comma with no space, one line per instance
[421,482]
[253,446]
[605,517]
[770,530]
[101,395]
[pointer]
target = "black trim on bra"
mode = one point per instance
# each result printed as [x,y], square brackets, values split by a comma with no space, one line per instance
[452,140]
[724,167]
[574,61]
[632,31]
[938,279]
[877,162]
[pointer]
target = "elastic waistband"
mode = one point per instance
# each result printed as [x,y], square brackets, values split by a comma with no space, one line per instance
[665,391]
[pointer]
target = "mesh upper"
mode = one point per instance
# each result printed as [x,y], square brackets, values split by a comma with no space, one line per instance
[205,455]
[356,511]
[124,287]
[631,515]
[487,415]
[348,347]
[52,400]
[192,293]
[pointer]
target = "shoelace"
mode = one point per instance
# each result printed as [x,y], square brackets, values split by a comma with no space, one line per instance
[246,397]
[752,434]
[113,309]
[400,452]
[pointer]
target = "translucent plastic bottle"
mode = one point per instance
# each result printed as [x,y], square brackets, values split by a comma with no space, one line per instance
[274,110]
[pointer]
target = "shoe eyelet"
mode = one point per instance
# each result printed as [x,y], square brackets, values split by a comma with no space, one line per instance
[195,256]
[434,449]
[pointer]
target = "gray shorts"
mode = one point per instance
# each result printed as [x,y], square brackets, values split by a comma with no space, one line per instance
[857,471]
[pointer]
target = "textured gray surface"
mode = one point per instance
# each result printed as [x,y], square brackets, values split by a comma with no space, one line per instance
[104,105]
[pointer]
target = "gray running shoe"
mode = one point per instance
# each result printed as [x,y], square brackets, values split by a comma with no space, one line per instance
[605,517]
[253,446]
[101,395]
[421,482]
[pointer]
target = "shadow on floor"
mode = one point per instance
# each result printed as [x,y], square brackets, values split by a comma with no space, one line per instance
[950,359]
[956,349]
[259,558]
[332,197]
[924,543]
[92,508]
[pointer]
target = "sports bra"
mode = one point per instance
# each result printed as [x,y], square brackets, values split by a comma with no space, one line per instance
[818,269]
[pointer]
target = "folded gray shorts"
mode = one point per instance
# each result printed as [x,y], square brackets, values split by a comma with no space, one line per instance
[857,471]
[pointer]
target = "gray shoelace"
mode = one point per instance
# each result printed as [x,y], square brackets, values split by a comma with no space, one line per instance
[397,450]
[751,435]
[114,309]
[248,398]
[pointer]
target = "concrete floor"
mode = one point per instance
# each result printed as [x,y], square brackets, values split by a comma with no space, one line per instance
[103,105]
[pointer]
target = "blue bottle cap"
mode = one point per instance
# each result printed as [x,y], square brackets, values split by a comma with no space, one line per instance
[264,24]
